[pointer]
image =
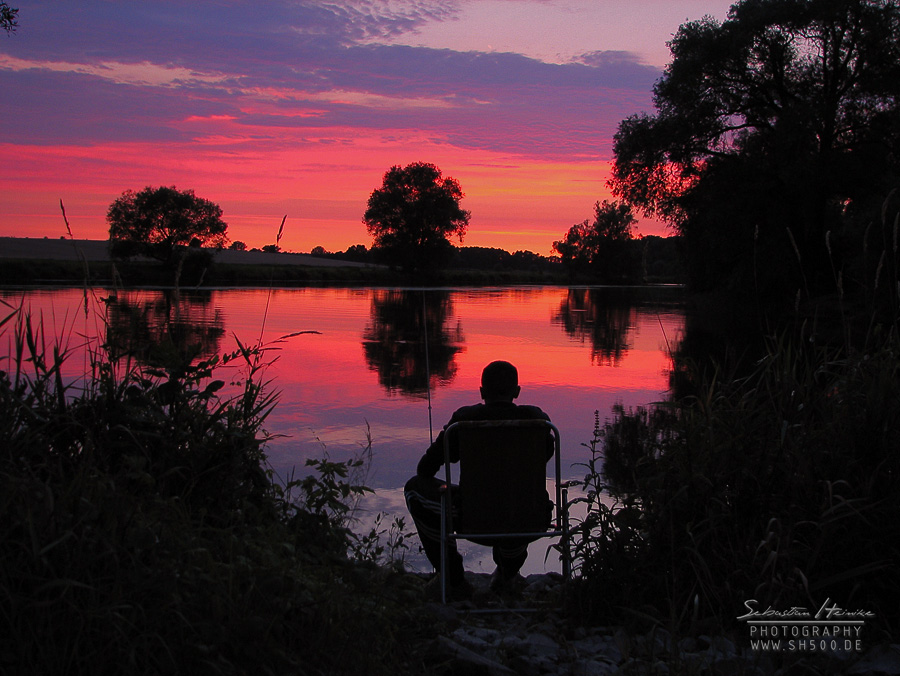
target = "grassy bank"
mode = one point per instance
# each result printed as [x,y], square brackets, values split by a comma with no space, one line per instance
[15,272]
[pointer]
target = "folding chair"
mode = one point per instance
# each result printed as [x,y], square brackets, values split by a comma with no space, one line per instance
[502,486]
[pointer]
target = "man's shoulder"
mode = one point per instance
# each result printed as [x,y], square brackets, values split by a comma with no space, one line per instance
[529,412]
[473,412]
[499,412]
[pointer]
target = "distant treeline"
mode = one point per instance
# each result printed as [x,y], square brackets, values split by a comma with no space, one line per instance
[657,260]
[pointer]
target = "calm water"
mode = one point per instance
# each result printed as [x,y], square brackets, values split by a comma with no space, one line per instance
[378,354]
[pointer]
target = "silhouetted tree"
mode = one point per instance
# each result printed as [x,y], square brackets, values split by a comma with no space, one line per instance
[772,128]
[412,215]
[161,222]
[602,247]
[9,20]
[661,258]
[357,253]
[527,260]
[572,249]
[237,245]
[480,258]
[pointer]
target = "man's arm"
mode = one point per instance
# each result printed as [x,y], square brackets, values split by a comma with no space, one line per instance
[433,459]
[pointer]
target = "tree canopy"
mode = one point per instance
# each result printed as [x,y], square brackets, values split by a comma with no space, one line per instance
[413,214]
[159,222]
[601,247]
[775,137]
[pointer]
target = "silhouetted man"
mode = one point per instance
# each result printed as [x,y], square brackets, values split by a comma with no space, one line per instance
[499,389]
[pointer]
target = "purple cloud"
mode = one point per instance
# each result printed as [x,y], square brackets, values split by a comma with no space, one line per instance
[276,65]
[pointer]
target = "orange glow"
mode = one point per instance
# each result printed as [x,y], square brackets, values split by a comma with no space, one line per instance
[515,203]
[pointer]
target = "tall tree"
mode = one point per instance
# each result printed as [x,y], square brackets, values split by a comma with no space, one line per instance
[775,134]
[162,222]
[601,247]
[413,215]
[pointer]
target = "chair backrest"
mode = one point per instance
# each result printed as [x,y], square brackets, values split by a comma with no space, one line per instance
[502,475]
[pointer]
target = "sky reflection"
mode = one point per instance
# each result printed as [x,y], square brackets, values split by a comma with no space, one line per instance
[361,375]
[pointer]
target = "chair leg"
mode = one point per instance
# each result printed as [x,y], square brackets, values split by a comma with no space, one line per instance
[444,562]
[566,553]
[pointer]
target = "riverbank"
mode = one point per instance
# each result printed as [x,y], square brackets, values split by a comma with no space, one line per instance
[97,250]
[66,261]
[26,261]
[547,643]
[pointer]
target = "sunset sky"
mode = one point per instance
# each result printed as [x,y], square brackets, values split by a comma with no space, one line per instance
[298,108]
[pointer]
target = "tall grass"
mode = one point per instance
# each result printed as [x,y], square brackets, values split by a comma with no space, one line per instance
[140,531]
[779,483]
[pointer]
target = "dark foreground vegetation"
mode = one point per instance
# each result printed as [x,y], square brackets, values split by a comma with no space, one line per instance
[778,485]
[770,474]
[142,534]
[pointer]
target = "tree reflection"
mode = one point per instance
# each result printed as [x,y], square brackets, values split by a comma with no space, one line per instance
[167,328]
[719,338]
[394,342]
[605,317]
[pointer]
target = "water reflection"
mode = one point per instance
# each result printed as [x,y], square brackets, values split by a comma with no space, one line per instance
[332,387]
[724,338]
[604,318]
[333,390]
[163,328]
[394,340]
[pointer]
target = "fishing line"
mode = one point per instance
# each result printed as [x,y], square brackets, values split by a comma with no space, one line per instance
[665,337]
[427,367]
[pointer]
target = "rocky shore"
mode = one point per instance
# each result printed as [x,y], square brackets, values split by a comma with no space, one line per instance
[532,639]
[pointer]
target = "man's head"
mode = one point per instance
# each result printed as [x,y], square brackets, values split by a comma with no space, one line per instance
[499,382]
